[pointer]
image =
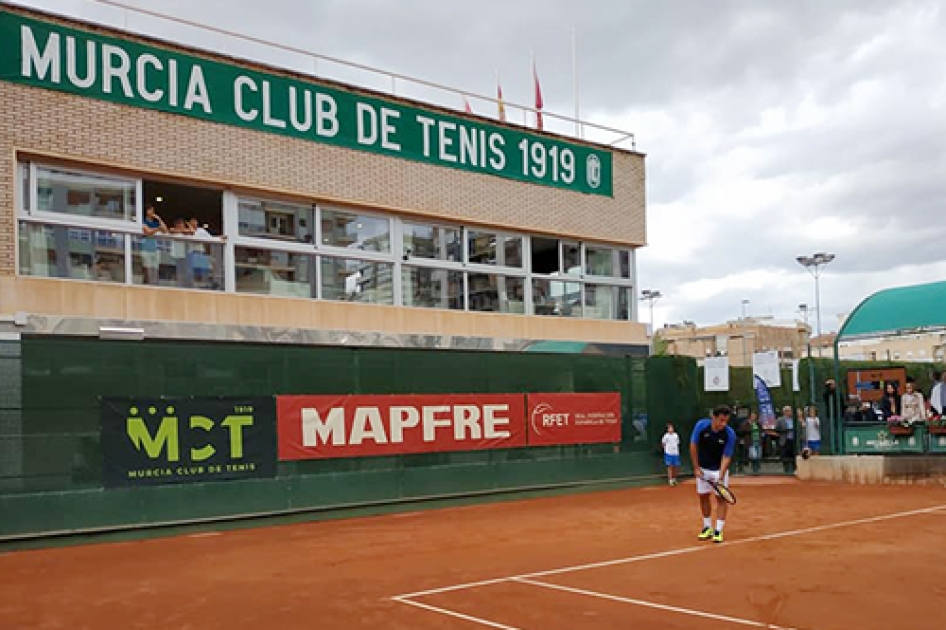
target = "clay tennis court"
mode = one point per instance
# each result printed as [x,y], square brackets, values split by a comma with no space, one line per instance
[808,556]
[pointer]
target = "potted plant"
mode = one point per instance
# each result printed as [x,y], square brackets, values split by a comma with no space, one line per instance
[899,425]
[937,424]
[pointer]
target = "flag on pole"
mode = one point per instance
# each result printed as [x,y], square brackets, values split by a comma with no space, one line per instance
[499,101]
[538,98]
[466,106]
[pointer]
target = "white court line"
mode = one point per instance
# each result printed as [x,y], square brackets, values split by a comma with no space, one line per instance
[450,613]
[640,602]
[674,552]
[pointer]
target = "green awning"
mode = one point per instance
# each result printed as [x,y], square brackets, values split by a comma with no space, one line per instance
[562,347]
[899,310]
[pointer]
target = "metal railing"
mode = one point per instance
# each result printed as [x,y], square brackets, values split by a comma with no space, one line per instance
[399,85]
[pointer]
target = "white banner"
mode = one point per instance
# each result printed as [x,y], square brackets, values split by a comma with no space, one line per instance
[716,374]
[796,386]
[765,366]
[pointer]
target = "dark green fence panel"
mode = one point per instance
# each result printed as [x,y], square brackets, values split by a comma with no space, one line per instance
[51,460]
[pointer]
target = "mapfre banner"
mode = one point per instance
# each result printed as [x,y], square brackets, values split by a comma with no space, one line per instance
[316,427]
[574,418]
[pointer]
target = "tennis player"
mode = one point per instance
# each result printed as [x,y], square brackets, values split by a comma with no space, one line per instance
[711,449]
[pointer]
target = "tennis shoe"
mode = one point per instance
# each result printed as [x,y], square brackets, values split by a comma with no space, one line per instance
[718,537]
[706,534]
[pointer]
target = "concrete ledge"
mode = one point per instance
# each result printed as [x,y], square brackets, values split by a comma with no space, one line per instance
[880,469]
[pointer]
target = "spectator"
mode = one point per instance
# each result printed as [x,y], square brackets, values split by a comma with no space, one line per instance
[785,427]
[755,443]
[151,226]
[671,446]
[890,402]
[912,405]
[866,413]
[812,424]
[938,394]
[833,403]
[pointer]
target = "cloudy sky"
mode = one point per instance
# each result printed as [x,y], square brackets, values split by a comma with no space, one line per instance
[772,129]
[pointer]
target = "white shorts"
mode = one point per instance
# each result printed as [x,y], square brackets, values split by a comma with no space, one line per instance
[704,488]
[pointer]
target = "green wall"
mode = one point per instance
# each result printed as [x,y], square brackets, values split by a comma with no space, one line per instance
[51,461]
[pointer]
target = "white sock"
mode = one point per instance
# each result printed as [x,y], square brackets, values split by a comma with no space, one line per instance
[720,525]
[707,522]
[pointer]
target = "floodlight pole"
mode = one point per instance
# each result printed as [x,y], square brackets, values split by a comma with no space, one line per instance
[651,296]
[814,264]
[811,366]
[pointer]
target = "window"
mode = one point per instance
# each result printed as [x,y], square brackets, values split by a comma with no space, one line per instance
[545,255]
[23,173]
[58,251]
[71,192]
[356,231]
[624,263]
[571,258]
[357,280]
[490,248]
[601,301]
[432,288]
[273,272]
[553,257]
[176,262]
[552,297]
[279,221]
[501,294]
[431,241]
[599,261]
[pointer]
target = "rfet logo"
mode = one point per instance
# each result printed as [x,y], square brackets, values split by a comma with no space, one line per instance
[544,418]
[574,418]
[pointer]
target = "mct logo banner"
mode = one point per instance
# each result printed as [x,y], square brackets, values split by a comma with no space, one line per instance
[149,441]
[574,418]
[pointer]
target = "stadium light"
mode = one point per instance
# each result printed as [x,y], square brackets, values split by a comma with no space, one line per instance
[651,296]
[814,264]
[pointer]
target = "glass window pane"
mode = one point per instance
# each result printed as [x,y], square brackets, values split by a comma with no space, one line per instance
[432,288]
[625,262]
[501,294]
[432,241]
[490,248]
[599,261]
[279,221]
[177,262]
[571,258]
[23,172]
[357,280]
[356,231]
[624,304]
[552,297]
[66,252]
[601,301]
[275,273]
[79,194]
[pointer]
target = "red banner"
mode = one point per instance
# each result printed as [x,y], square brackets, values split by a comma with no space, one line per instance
[574,418]
[317,427]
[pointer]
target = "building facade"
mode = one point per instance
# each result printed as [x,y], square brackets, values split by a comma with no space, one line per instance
[332,214]
[737,339]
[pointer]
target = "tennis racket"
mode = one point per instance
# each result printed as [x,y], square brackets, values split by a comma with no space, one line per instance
[722,491]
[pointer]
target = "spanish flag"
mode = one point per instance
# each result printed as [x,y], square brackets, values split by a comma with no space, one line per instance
[538,98]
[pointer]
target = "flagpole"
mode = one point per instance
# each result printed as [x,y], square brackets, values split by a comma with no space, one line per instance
[532,70]
[575,73]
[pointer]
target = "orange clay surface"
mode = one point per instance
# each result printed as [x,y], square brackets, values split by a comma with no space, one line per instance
[808,556]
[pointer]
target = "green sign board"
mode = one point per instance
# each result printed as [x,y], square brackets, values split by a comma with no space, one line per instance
[182,440]
[877,439]
[43,54]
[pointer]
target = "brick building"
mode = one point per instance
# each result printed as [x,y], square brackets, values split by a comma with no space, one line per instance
[337,215]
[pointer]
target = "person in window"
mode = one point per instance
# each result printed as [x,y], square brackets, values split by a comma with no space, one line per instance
[152,226]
